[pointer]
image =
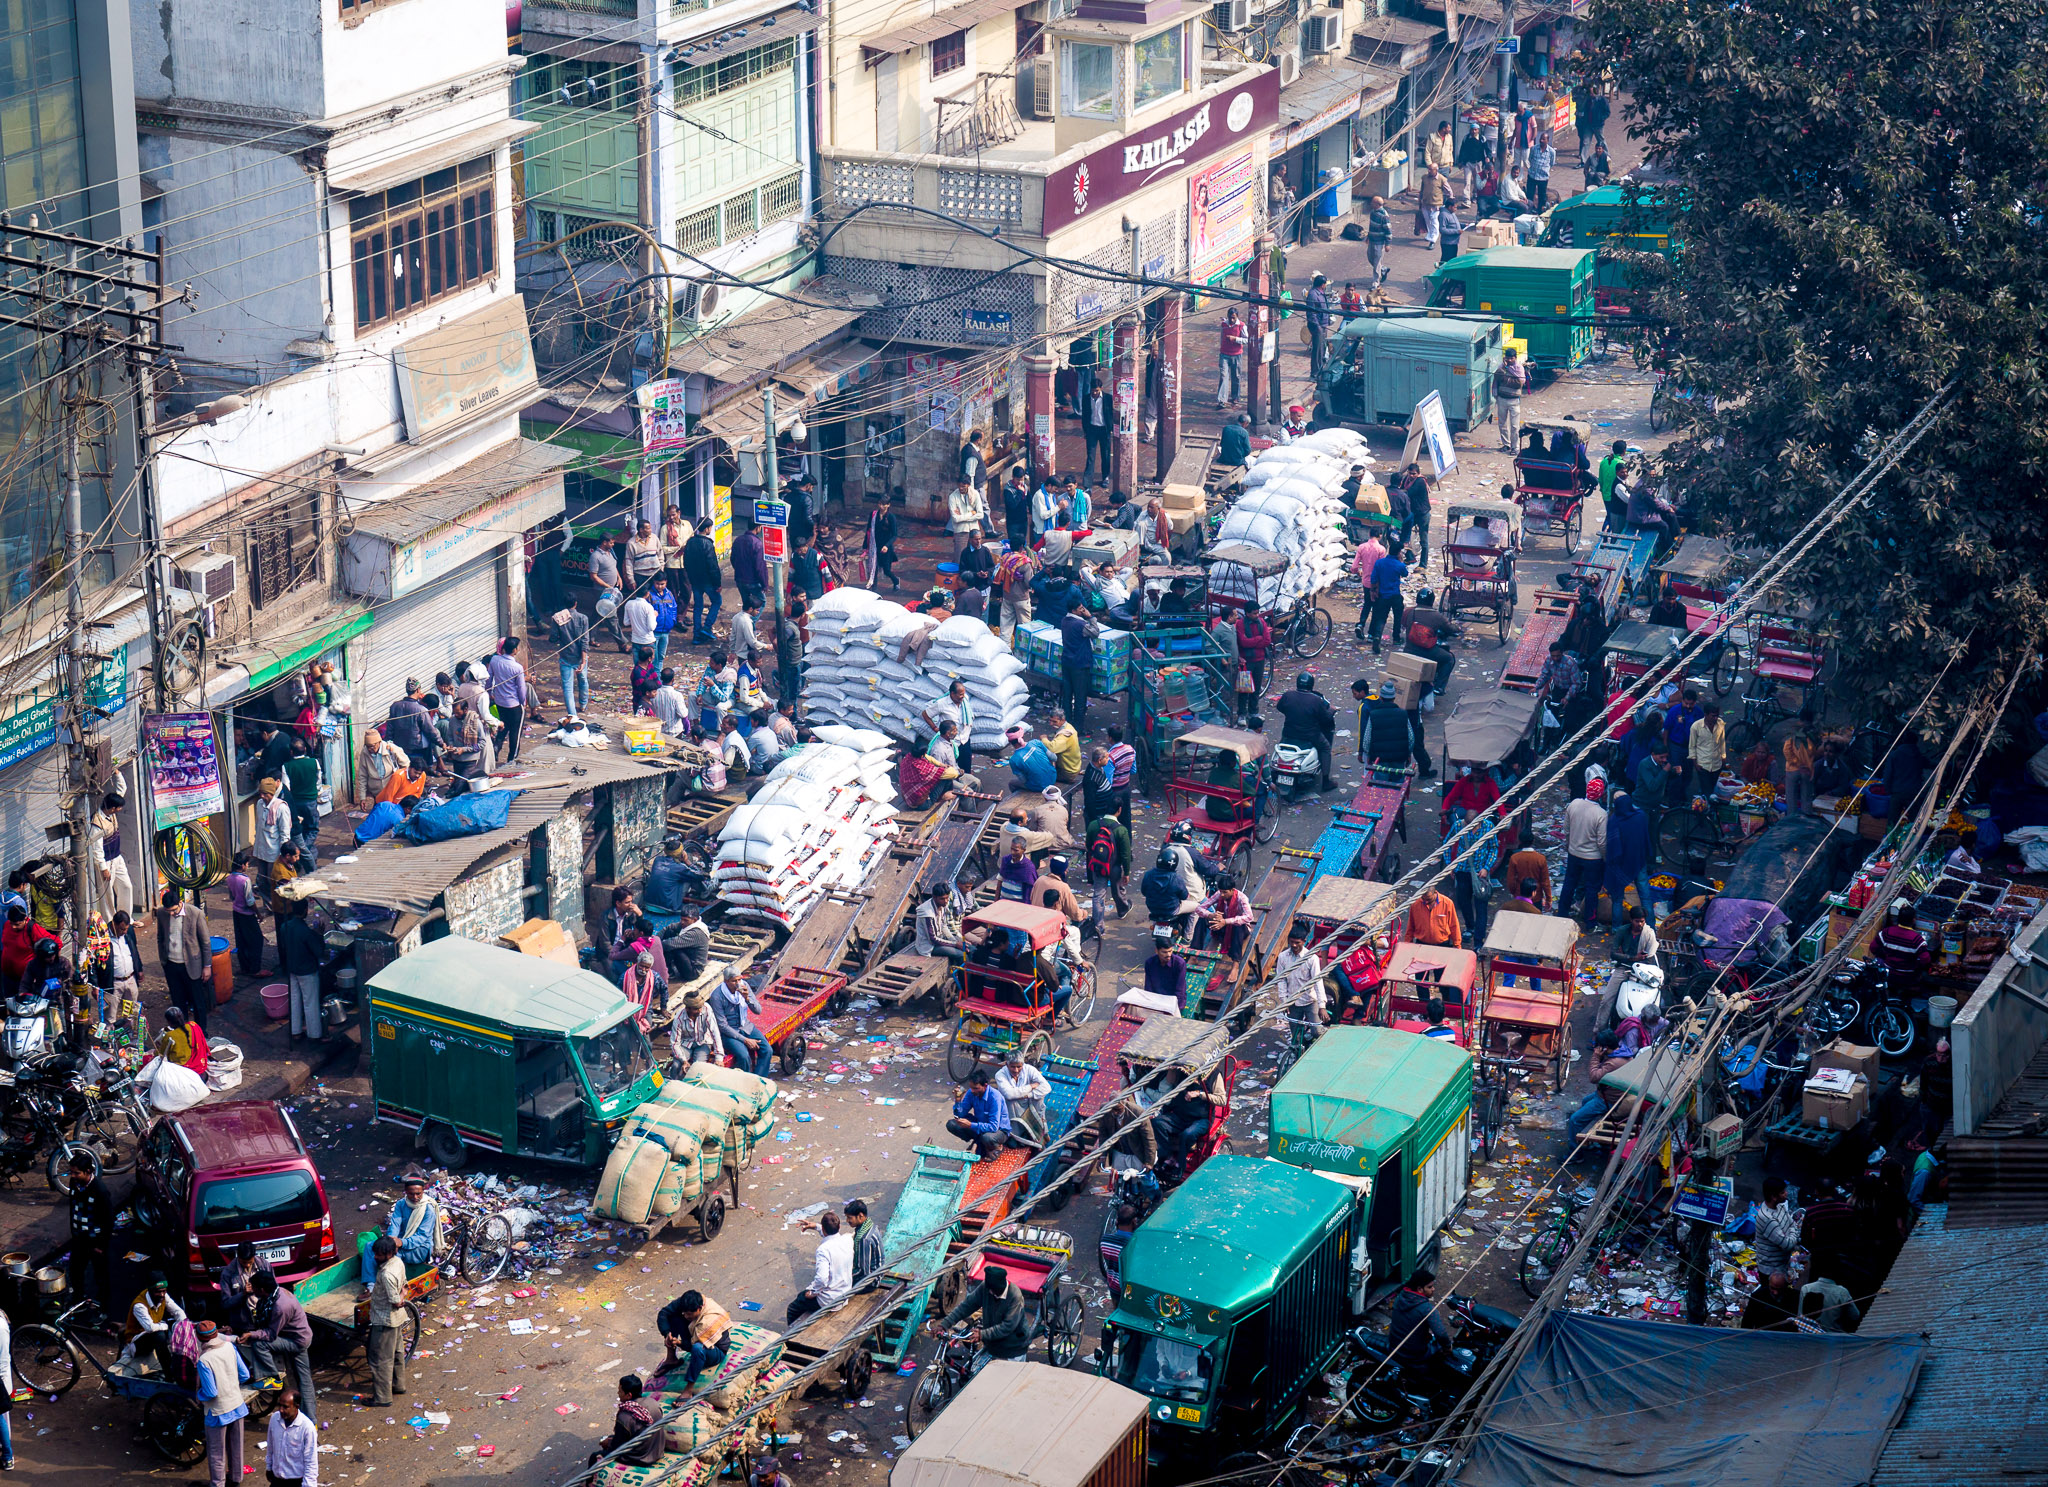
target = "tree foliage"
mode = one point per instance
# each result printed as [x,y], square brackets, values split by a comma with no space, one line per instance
[1863,227]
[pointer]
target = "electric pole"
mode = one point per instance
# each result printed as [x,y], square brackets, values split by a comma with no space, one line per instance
[771,490]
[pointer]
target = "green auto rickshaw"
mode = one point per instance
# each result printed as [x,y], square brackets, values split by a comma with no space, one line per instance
[1237,1292]
[1619,216]
[1388,1113]
[473,1045]
[1545,293]
[1383,365]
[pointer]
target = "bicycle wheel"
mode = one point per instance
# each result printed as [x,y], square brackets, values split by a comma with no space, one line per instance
[1265,818]
[1493,1106]
[1081,1005]
[1891,1029]
[1742,737]
[1686,839]
[1728,668]
[174,1428]
[930,1392]
[489,1248]
[1313,633]
[1660,409]
[113,1134]
[1063,1332]
[43,1359]
[961,1054]
[1542,1256]
[1574,528]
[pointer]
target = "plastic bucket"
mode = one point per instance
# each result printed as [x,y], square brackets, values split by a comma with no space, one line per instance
[277,1000]
[1941,1011]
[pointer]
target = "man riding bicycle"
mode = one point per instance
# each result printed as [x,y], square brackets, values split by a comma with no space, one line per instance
[1005,1329]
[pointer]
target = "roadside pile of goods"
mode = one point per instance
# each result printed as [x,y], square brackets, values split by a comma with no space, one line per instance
[818,824]
[876,665]
[1293,504]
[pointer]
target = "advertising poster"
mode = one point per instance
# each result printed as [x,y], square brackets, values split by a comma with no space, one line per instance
[661,415]
[184,767]
[1222,214]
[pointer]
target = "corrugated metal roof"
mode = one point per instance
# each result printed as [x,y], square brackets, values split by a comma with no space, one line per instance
[1998,1177]
[407,879]
[1976,1295]
[932,27]
[481,483]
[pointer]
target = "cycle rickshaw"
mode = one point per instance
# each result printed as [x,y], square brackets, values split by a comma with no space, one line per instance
[1035,1260]
[1552,489]
[1015,986]
[1481,539]
[1217,782]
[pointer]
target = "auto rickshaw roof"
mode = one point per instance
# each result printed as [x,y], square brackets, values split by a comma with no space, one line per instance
[1044,926]
[461,979]
[1357,1092]
[1247,746]
[1020,1424]
[1261,562]
[1182,1041]
[1225,1238]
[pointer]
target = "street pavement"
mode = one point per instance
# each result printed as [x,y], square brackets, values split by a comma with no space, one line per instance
[876,1087]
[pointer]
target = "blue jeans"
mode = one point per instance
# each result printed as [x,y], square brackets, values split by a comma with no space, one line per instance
[661,648]
[1581,878]
[753,1063]
[704,614]
[1619,911]
[1585,1117]
[575,685]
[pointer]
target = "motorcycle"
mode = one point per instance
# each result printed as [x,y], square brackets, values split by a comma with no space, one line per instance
[1398,1395]
[25,1035]
[1295,766]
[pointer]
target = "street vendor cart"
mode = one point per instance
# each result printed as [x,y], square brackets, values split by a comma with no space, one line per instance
[1481,540]
[1531,973]
[1241,576]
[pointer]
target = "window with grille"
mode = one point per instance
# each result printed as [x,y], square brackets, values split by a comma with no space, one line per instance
[742,215]
[949,53]
[698,232]
[783,198]
[423,241]
[605,86]
[694,84]
[284,548]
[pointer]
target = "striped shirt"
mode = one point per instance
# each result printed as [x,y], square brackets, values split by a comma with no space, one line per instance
[1123,759]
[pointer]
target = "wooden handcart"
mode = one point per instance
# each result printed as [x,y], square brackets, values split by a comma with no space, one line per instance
[924,1223]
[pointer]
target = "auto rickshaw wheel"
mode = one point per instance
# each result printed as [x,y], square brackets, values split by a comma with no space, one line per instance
[859,1369]
[711,1216]
[444,1147]
[791,1055]
[174,1428]
[962,1054]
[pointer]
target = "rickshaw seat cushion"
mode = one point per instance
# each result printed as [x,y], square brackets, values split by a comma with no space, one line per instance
[1525,1008]
[1205,817]
[1026,1276]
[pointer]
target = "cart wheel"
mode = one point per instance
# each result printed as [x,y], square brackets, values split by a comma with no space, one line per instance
[948,1290]
[444,1147]
[174,1428]
[1728,669]
[711,1216]
[489,1250]
[1314,634]
[946,995]
[1390,867]
[412,1328]
[44,1360]
[1688,840]
[1504,619]
[795,1048]
[1265,818]
[1037,1048]
[961,1054]
[859,1369]
[1081,1005]
[1058,1191]
[1063,1335]
[1574,527]
[836,1004]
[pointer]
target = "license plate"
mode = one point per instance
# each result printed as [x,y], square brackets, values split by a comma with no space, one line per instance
[274,1255]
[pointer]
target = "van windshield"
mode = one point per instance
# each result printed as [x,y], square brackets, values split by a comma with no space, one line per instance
[1162,1367]
[615,1058]
[267,1200]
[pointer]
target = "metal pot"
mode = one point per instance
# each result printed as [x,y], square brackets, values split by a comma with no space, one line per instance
[50,1280]
[15,1262]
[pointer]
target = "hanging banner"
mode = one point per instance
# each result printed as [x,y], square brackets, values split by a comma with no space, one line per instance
[1223,206]
[661,415]
[184,767]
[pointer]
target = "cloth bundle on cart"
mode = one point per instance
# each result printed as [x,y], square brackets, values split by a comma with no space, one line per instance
[1293,504]
[821,821]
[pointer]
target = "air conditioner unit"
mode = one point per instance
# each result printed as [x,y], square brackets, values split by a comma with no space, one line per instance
[1231,16]
[210,575]
[1043,98]
[697,300]
[1325,32]
[1290,68]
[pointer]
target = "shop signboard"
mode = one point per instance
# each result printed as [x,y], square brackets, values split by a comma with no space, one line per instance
[662,415]
[183,760]
[466,370]
[28,723]
[419,562]
[1125,166]
[774,543]
[1223,207]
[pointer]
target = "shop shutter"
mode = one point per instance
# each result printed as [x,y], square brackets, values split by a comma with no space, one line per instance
[452,619]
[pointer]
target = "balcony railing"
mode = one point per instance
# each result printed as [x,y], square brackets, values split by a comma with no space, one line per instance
[981,117]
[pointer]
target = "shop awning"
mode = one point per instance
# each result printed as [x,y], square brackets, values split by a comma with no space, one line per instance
[944,23]
[777,27]
[738,423]
[279,655]
[830,372]
[463,491]
[377,174]
[763,341]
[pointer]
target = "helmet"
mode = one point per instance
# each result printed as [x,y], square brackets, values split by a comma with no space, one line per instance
[1305,682]
[1424,599]
[1180,831]
[1167,861]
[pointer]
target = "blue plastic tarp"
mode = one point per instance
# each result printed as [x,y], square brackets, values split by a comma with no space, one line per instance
[466,816]
[1602,1402]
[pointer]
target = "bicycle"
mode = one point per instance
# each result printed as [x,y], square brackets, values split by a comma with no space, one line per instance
[1489,1100]
[1635,1233]
[531,1246]
[1305,629]
[479,1248]
[943,1376]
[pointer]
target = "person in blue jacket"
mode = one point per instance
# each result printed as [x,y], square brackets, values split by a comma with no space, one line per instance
[1628,857]
[664,619]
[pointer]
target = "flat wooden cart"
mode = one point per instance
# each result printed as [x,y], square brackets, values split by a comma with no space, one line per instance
[1532,970]
[1209,974]
[1549,618]
[906,976]
[1069,1078]
[1273,904]
[337,1302]
[924,1222]
[789,1002]
[864,1316]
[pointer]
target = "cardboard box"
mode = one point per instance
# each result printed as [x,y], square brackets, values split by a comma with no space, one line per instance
[1835,1099]
[1184,497]
[1407,691]
[1490,233]
[1415,668]
[1871,828]
[1854,1057]
[543,938]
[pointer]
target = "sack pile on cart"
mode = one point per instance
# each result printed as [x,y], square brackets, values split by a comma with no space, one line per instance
[964,650]
[825,814]
[1293,503]
[753,1370]
[863,674]
[670,1151]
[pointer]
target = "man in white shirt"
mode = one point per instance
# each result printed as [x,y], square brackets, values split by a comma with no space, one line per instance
[954,708]
[746,643]
[1298,987]
[639,615]
[291,1452]
[1025,1090]
[1044,508]
[833,1282]
[669,703]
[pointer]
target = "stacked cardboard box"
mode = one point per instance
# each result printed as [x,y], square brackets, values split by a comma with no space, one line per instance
[1408,675]
[1039,646]
[1835,1099]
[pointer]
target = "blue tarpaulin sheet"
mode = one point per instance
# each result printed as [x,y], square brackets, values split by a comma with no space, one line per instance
[1603,1402]
[465,816]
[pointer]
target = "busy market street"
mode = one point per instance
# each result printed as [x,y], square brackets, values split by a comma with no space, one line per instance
[947,746]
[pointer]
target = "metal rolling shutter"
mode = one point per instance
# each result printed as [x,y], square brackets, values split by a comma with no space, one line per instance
[453,619]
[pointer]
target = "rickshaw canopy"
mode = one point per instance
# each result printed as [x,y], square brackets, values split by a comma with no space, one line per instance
[1432,965]
[1180,1042]
[1041,925]
[1263,564]
[1580,430]
[1019,1424]
[1532,936]
[1484,728]
[1702,560]
[1491,508]
[1247,746]
[1358,1093]
[1642,642]
[1167,573]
